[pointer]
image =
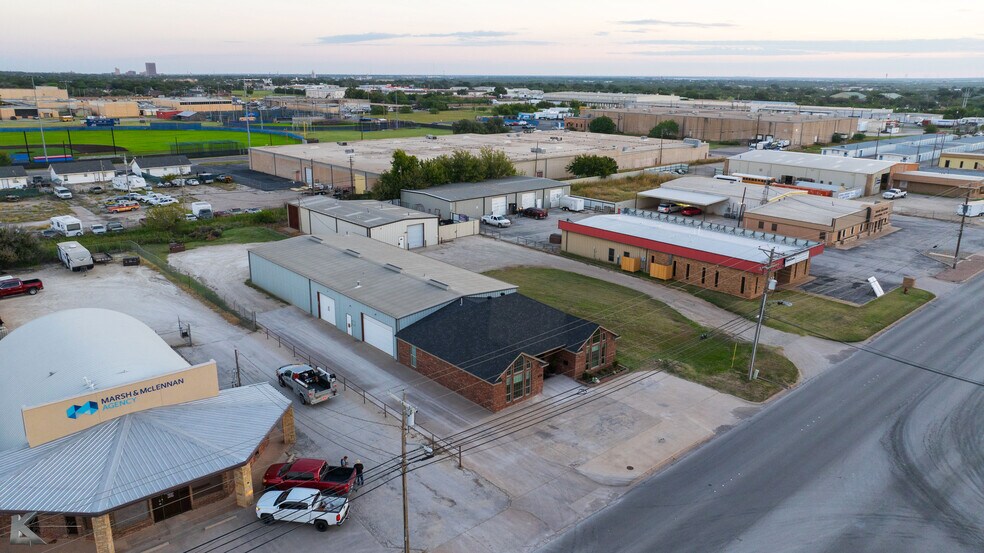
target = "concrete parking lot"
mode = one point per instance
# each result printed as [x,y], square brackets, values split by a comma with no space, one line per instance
[242,174]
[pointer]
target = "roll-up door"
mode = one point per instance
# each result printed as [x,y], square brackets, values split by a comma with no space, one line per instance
[377,334]
[528,200]
[415,236]
[498,205]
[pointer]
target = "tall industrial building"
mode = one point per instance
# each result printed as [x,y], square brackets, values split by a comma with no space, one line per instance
[150,69]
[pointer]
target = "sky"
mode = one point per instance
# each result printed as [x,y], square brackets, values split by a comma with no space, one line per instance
[753,38]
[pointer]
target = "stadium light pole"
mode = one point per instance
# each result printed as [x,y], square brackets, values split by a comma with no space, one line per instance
[44,146]
[249,141]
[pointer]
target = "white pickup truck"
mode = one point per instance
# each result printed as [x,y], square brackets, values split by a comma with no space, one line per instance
[313,385]
[303,505]
[497,220]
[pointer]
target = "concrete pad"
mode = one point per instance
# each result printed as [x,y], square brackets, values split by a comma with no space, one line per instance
[510,530]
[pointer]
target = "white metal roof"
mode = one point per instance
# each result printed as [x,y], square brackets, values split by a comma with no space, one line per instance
[738,192]
[683,196]
[384,277]
[139,454]
[52,357]
[727,241]
[815,161]
[483,189]
[819,210]
[365,213]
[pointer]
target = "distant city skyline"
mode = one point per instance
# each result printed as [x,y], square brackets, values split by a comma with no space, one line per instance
[873,39]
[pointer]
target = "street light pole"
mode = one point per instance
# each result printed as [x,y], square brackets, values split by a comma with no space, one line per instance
[761,316]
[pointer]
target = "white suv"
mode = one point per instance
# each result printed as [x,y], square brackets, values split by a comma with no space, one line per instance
[497,220]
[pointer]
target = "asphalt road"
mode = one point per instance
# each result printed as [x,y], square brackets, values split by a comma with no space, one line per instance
[872,456]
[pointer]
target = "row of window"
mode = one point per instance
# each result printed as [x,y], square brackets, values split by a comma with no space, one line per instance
[947,164]
[519,379]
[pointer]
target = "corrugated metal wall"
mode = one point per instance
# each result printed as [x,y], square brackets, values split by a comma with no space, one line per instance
[282,283]
[345,305]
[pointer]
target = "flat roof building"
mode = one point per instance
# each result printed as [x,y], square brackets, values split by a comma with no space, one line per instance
[361,286]
[103,428]
[829,220]
[709,255]
[392,224]
[962,160]
[716,125]
[357,165]
[716,196]
[849,173]
[13,176]
[471,200]
[947,185]
[609,99]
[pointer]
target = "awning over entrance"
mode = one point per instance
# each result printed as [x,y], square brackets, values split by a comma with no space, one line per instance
[683,197]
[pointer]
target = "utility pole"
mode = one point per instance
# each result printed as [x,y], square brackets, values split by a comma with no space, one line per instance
[37,106]
[403,475]
[963,219]
[249,141]
[239,376]
[761,317]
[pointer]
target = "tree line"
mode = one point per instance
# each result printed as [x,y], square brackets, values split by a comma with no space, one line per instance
[408,172]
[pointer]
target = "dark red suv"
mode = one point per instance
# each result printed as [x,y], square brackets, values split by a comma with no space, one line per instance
[535,212]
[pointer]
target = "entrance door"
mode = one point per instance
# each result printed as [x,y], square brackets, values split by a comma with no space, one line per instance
[293,217]
[498,205]
[377,334]
[348,324]
[326,308]
[415,236]
[171,504]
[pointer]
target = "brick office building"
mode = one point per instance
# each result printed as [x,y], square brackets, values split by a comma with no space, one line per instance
[832,221]
[495,351]
[709,255]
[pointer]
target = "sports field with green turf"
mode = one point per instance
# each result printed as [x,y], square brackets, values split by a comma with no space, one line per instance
[135,142]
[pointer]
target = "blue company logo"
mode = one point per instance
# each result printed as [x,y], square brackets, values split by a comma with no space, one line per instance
[89,408]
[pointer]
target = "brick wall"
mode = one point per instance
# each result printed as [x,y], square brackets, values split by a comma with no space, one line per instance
[573,364]
[476,390]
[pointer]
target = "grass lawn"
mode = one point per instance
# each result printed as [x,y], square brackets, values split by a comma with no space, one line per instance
[240,235]
[813,315]
[652,331]
[334,136]
[33,209]
[255,94]
[448,116]
[617,190]
[136,142]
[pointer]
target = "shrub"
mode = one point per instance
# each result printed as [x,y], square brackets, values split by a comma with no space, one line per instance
[592,166]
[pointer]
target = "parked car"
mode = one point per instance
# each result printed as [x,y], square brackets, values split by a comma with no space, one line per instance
[190,217]
[236,211]
[252,210]
[167,200]
[62,192]
[98,229]
[310,473]
[690,211]
[303,505]
[893,193]
[49,233]
[224,178]
[115,226]
[497,220]
[10,286]
[124,206]
[668,208]
[192,182]
[96,190]
[534,212]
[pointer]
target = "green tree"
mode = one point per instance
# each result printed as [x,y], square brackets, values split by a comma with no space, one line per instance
[19,248]
[406,109]
[466,126]
[404,173]
[576,107]
[858,136]
[377,110]
[165,218]
[495,164]
[435,171]
[4,159]
[352,92]
[592,166]
[499,91]
[837,138]
[665,129]
[603,125]
[930,129]
[464,167]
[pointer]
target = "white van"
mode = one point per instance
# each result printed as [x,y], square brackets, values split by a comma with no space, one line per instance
[62,192]
[201,210]
[67,225]
[569,203]
[74,256]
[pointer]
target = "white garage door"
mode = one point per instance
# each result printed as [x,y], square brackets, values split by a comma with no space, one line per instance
[528,200]
[415,236]
[498,205]
[326,308]
[377,334]
[555,195]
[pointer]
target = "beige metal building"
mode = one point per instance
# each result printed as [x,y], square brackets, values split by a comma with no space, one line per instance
[392,224]
[198,104]
[868,175]
[357,165]
[471,200]
[713,125]
[829,220]
[41,93]
[109,108]
[962,160]
[947,185]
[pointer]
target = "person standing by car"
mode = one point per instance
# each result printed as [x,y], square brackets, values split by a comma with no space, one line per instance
[359,467]
[344,461]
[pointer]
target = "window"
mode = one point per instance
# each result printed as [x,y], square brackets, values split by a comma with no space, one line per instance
[775,227]
[961,164]
[761,224]
[625,254]
[594,354]
[413,356]
[611,255]
[717,275]
[703,275]
[823,236]
[674,270]
[687,274]
[519,379]
[742,291]
[947,163]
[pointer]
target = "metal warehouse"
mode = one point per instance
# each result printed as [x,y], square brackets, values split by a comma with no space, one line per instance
[363,287]
[789,167]
[941,184]
[497,197]
[392,224]
[716,196]
[356,166]
[728,259]
[107,430]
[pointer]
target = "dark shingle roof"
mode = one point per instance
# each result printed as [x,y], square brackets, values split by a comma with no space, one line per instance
[483,335]
[13,171]
[161,161]
[91,166]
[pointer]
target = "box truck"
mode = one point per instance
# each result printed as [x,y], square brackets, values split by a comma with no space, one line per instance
[74,256]
[974,208]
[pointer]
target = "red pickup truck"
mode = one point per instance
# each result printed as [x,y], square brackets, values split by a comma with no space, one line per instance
[10,286]
[310,473]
